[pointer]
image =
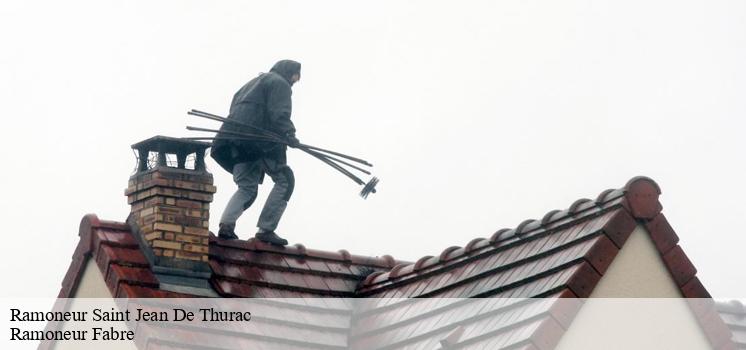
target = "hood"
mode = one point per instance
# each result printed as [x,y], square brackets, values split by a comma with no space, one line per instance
[286,69]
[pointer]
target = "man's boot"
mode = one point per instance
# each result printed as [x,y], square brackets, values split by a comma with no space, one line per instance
[271,237]
[227,231]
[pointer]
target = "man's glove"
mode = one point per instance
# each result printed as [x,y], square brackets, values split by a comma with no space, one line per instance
[293,141]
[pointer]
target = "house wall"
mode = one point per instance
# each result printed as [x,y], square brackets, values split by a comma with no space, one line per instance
[638,271]
[636,305]
[92,285]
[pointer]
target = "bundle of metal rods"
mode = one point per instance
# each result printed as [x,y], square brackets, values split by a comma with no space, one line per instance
[331,158]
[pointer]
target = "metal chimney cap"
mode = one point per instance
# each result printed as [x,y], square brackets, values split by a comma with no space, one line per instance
[163,146]
[171,145]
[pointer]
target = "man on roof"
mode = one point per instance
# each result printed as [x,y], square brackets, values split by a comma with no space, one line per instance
[264,103]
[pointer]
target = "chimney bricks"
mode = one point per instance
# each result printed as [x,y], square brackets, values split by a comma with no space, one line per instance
[172,210]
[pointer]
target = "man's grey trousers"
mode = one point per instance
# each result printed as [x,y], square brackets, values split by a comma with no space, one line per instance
[248,176]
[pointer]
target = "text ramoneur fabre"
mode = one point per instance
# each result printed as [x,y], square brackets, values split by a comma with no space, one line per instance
[112,315]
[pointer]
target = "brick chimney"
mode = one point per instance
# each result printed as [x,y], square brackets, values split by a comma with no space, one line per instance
[170,195]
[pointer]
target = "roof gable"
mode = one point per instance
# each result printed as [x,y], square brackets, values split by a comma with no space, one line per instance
[565,250]
[562,255]
[638,271]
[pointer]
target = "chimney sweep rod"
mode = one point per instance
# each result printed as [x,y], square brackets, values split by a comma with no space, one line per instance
[336,166]
[212,138]
[337,160]
[198,113]
[206,115]
[330,163]
[358,160]
[211,116]
[246,136]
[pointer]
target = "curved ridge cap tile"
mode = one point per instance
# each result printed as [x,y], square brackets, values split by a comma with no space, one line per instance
[251,244]
[588,207]
[498,235]
[510,233]
[301,249]
[433,260]
[396,271]
[248,244]
[559,215]
[521,228]
[457,253]
[383,277]
[346,256]
[446,252]
[421,262]
[87,222]
[642,195]
[407,269]
[85,231]
[369,279]
[608,195]
[482,244]
[575,206]
[532,226]
[326,255]
[473,244]
[257,245]
[602,196]
[642,178]
[548,216]
[388,260]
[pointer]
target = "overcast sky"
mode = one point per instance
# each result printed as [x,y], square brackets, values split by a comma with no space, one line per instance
[476,116]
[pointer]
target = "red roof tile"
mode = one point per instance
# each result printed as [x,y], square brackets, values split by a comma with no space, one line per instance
[564,254]
[733,313]
[240,268]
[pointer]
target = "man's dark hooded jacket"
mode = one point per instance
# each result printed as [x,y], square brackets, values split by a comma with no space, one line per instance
[265,102]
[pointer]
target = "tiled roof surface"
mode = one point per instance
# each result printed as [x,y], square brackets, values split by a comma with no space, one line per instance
[568,249]
[240,268]
[733,314]
[473,323]
[563,254]
[274,324]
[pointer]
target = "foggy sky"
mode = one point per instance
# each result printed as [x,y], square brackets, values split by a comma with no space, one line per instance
[476,116]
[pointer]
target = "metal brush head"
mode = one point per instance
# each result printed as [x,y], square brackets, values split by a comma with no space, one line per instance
[369,188]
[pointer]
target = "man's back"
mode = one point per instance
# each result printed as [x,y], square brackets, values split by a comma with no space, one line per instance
[260,98]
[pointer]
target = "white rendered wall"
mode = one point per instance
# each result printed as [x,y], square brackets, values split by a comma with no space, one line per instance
[636,305]
[92,285]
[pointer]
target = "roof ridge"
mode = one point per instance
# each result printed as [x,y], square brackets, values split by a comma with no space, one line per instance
[298,249]
[580,210]
[290,269]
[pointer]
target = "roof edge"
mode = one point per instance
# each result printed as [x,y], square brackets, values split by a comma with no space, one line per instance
[298,249]
[642,195]
[81,254]
[84,250]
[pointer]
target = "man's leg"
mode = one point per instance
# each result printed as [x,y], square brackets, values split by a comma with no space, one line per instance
[284,182]
[246,176]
